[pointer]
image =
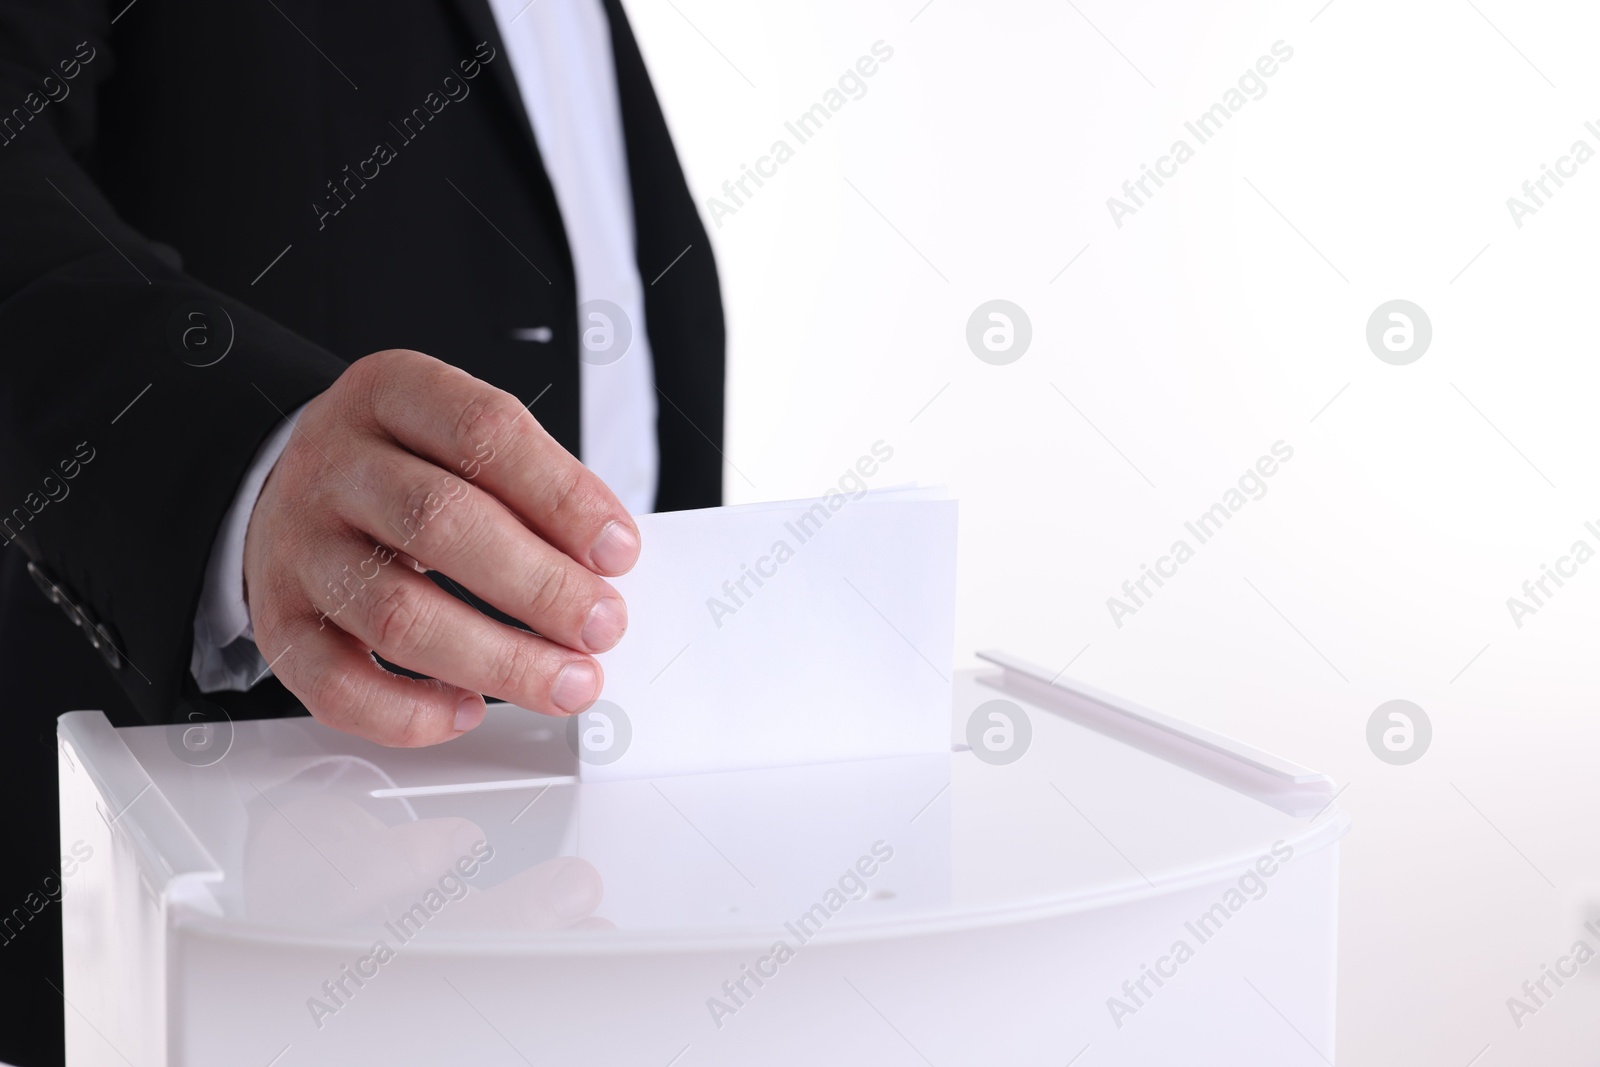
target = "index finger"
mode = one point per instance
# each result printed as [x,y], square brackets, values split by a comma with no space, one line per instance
[488,437]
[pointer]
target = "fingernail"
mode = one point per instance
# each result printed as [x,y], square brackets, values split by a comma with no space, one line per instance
[470,712]
[575,892]
[616,549]
[607,621]
[576,687]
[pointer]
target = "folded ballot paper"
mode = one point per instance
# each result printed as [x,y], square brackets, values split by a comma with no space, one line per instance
[764,635]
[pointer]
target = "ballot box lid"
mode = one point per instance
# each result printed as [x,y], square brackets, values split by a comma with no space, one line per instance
[1054,799]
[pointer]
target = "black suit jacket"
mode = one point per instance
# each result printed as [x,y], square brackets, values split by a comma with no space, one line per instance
[180,178]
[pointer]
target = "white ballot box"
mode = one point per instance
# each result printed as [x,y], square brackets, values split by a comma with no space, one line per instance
[1076,881]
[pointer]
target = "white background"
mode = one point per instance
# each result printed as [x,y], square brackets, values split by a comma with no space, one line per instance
[1222,317]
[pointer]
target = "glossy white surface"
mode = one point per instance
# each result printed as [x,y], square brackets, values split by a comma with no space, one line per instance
[290,820]
[947,884]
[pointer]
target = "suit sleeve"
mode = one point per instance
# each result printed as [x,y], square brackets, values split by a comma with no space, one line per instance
[132,396]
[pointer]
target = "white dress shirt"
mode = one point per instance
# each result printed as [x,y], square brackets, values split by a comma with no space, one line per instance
[560,53]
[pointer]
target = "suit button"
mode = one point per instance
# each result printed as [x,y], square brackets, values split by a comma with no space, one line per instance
[103,641]
[79,615]
[46,584]
[98,634]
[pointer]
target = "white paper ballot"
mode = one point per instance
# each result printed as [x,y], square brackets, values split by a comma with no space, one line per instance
[784,633]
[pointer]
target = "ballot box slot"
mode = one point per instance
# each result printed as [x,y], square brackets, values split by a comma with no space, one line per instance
[452,788]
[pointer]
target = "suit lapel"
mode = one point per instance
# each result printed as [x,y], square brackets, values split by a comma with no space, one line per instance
[683,304]
[481,26]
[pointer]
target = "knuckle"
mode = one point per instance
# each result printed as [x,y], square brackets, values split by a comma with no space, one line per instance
[491,417]
[399,619]
[435,517]
[388,362]
[342,697]
[279,608]
[415,730]
[554,593]
[321,490]
[366,374]
[365,467]
[334,698]
[298,468]
[518,672]
[375,376]
[565,485]
[355,378]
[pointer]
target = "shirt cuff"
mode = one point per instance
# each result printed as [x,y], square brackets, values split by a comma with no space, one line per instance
[225,654]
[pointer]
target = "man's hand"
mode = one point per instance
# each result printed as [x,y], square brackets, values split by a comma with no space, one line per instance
[406,464]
